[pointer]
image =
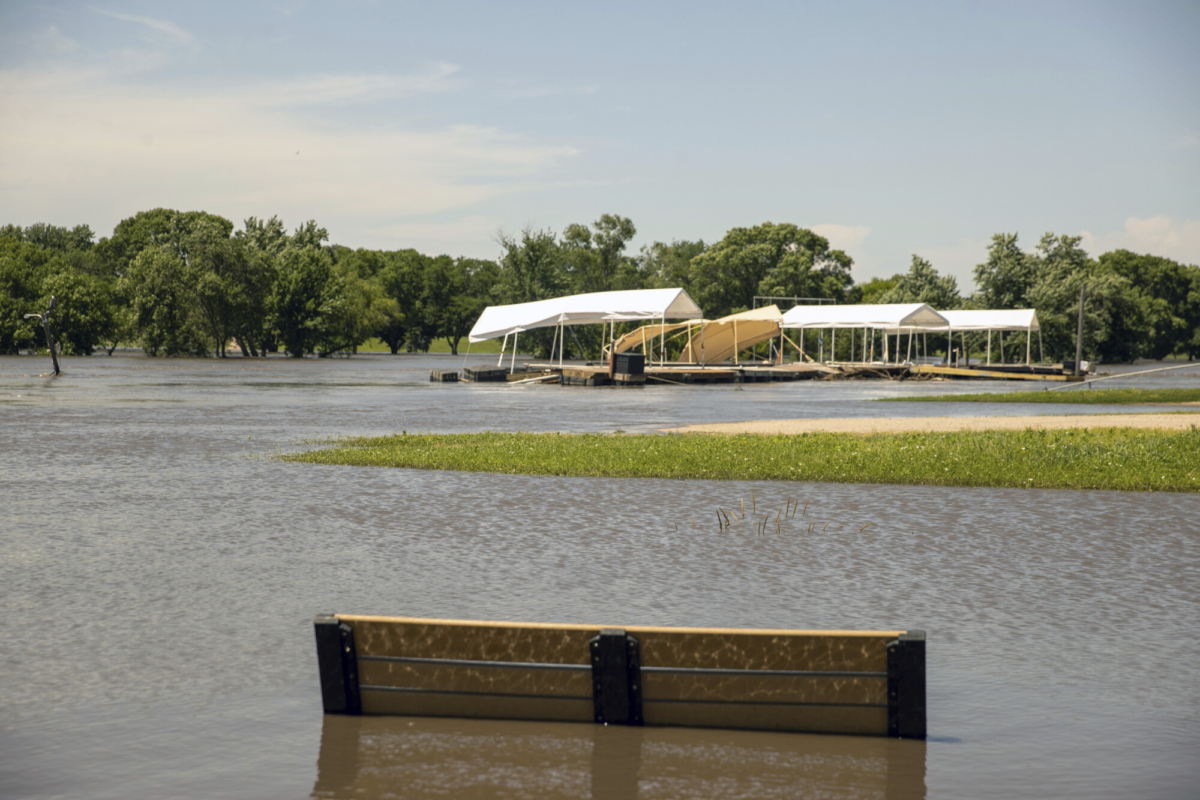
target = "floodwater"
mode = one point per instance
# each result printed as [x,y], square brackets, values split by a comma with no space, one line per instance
[160,573]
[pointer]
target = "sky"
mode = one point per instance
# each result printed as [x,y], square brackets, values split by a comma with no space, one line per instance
[892,129]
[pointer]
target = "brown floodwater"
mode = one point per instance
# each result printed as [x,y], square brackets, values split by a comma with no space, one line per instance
[160,573]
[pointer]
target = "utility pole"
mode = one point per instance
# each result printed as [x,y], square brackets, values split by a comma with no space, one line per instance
[1079,332]
[45,318]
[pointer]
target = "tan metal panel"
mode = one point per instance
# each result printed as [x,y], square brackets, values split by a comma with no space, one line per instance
[487,706]
[767,688]
[865,720]
[490,680]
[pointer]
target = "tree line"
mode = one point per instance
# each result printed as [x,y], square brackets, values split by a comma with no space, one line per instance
[193,283]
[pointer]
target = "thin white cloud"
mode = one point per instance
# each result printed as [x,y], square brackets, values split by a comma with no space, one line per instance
[169,29]
[81,146]
[288,10]
[1159,235]
[543,91]
[843,237]
[352,88]
[52,42]
[1189,142]
[471,233]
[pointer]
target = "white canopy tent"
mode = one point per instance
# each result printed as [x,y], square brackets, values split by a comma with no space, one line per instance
[582,309]
[999,320]
[890,318]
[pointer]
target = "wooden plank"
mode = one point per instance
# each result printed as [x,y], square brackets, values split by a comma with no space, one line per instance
[959,372]
[552,643]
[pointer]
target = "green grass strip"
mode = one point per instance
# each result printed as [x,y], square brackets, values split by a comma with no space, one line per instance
[1087,397]
[1100,458]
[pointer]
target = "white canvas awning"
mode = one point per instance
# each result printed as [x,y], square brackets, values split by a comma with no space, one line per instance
[585,309]
[1008,319]
[887,316]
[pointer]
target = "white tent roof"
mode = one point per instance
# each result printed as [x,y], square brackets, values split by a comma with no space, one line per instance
[585,309]
[1009,319]
[918,316]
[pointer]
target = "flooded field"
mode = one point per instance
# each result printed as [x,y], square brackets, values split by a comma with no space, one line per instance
[161,573]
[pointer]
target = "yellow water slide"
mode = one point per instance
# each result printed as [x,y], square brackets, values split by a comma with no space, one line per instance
[709,341]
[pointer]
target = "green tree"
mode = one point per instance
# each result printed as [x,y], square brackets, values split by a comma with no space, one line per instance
[1165,286]
[530,267]
[306,297]
[365,305]
[1006,279]
[162,302]
[1114,315]
[216,267]
[83,313]
[875,289]
[22,270]
[402,277]
[923,284]
[670,265]
[768,259]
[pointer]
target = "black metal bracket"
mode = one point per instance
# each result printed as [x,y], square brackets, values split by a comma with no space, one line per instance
[906,685]
[338,663]
[616,677]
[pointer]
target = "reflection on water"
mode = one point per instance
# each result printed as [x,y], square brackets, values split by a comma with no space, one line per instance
[160,573]
[377,757]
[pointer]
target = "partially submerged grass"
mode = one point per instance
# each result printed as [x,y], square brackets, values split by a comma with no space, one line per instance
[1100,458]
[1080,396]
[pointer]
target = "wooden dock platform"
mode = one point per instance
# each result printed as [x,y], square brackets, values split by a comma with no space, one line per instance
[592,374]
[983,373]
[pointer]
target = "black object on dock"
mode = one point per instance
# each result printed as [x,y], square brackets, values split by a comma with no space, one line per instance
[629,364]
[485,374]
[443,376]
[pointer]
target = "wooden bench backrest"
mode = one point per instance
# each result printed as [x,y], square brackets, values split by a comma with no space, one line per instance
[863,682]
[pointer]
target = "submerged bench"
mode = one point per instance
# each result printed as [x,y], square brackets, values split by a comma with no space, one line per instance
[855,682]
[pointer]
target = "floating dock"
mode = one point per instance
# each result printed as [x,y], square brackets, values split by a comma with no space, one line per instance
[592,374]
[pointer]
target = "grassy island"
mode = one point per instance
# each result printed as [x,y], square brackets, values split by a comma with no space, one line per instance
[1079,396]
[1099,458]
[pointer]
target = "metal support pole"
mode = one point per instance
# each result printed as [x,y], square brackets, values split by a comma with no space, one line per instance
[1028,344]
[1079,331]
[989,355]
[503,345]
[512,364]
[45,320]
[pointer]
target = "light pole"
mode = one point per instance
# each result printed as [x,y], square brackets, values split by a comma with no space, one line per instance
[45,318]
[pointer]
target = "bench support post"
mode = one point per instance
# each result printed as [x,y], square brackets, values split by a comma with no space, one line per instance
[906,685]
[338,663]
[616,677]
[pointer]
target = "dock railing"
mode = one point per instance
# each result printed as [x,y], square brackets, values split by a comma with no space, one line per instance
[852,682]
